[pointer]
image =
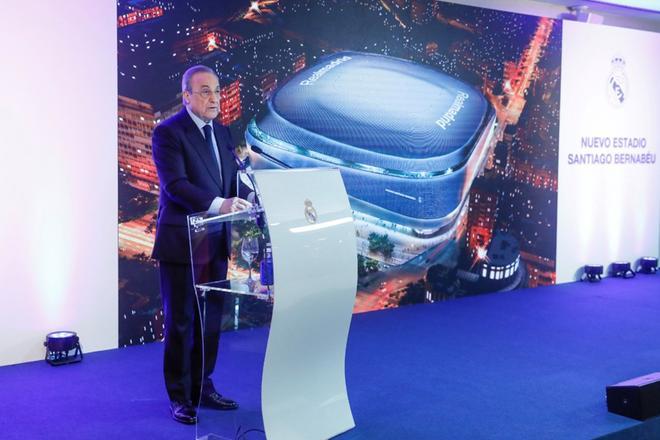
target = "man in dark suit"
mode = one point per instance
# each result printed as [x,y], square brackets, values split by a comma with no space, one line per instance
[197,173]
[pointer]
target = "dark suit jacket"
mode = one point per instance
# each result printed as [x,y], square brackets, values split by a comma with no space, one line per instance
[189,181]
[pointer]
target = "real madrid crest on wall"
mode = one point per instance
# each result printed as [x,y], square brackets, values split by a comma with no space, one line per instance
[310,213]
[617,82]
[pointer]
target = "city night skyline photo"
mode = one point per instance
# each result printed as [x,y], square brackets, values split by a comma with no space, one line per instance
[501,233]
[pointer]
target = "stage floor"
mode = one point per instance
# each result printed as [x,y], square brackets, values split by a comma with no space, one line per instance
[527,364]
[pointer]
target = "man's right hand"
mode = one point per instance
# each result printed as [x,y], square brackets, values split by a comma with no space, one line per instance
[234,204]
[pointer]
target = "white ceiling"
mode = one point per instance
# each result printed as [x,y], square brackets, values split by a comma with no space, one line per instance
[649,20]
[611,15]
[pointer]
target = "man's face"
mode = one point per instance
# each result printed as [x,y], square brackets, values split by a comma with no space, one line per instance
[204,98]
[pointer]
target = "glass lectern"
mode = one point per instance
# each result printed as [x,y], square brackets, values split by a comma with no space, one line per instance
[292,256]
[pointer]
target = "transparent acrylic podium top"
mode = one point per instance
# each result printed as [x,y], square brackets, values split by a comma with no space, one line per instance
[243,237]
[241,297]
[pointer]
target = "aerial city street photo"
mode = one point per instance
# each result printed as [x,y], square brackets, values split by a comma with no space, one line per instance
[443,120]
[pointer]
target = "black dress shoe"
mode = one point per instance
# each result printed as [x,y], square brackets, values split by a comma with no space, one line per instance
[214,400]
[183,412]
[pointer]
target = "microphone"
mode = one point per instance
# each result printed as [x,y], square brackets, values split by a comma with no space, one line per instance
[242,166]
[239,162]
[258,150]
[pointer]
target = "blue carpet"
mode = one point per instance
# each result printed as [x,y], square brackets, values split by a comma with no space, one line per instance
[528,364]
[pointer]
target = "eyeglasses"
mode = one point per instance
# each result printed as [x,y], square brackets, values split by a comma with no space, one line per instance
[206,93]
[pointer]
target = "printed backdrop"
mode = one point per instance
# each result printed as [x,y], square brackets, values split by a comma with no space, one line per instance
[609,173]
[482,83]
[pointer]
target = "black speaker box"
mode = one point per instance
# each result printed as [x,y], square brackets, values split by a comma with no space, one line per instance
[637,398]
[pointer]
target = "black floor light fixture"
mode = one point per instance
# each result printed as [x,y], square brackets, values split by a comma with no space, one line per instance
[592,272]
[648,265]
[622,269]
[63,347]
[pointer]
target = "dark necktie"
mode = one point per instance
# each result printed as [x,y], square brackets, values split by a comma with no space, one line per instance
[208,136]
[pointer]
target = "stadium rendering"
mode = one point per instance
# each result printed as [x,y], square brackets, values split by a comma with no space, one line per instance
[408,139]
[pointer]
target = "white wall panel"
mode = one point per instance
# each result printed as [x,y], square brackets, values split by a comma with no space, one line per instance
[58,254]
[608,210]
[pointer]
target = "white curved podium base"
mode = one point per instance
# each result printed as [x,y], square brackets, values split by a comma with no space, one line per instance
[315,270]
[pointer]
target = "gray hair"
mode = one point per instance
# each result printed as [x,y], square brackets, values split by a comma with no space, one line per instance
[188,74]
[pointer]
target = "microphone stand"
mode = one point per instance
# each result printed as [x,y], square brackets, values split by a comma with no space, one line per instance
[261,152]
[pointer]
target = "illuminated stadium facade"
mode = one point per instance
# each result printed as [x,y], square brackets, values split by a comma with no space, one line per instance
[501,269]
[408,140]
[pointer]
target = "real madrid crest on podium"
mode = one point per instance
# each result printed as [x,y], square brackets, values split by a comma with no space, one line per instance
[310,212]
[617,82]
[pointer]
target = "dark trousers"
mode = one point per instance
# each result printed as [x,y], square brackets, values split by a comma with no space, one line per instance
[185,352]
